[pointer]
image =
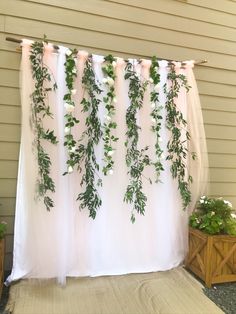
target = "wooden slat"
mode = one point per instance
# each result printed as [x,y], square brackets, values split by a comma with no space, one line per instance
[220,132]
[220,118]
[10,60]
[180,9]
[223,5]
[9,133]
[214,75]
[7,206]
[8,169]
[221,249]
[10,114]
[9,151]
[117,12]
[224,278]
[7,188]
[218,103]
[9,96]
[2,22]
[222,160]
[222,90]
[223,175]
[221,146]
[114,26]
[9,78]
[231,251]
[217,188]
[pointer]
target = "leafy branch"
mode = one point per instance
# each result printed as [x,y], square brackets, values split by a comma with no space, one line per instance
[109,101]
[156,115]
[136,159]
[40,110]
[176,146]
[85,157]
[70,120]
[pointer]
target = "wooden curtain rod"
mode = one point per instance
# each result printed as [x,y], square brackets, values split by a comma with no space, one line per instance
[19,41]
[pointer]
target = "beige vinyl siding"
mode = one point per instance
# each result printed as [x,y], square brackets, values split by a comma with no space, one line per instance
[180,30]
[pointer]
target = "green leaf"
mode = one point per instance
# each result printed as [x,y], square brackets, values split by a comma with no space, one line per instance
[177,148]
[136,159]
[40,110]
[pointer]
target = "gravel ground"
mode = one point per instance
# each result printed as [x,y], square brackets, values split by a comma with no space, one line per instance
[4,299]
[224,295]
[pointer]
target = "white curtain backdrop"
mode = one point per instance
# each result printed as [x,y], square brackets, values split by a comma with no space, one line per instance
[65,241]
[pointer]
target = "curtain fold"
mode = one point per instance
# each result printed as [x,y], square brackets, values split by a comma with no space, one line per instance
[65,241]
[199,168]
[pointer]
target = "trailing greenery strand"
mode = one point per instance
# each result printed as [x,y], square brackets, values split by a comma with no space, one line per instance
[136,159]
[177,148]
[109,101]
[156,115]
[70,120]
[85,155]
[41,110]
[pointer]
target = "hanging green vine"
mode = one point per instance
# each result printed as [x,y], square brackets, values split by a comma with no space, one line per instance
[70,120]
[156,115]
[177,148]
[109,101]
[85,154]
[136,159]
[41,110]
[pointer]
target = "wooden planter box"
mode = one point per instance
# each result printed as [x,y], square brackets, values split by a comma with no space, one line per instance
[2,252]
[212,257]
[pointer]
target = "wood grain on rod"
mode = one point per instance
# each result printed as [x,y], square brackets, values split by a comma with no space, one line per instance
[19,41]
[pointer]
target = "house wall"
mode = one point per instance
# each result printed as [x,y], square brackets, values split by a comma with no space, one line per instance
[179,30]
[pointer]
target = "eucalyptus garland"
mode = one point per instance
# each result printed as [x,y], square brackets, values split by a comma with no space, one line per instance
[85,156]
[82,154]
[70,120]
[156,115]
[176,146]
[109,101]
[136,159]
[40,111]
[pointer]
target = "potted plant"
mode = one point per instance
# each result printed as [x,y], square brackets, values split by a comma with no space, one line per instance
[3,229]
[212,241]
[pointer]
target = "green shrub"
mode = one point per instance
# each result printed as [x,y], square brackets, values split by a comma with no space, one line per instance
[3,229]
[214,216]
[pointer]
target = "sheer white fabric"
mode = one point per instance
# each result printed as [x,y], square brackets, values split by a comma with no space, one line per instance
[197,168]
[65,241]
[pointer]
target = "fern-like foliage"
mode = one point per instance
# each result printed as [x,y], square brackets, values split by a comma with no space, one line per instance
[41,110]
[136,159]
[177,125]
[85,157]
